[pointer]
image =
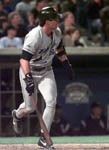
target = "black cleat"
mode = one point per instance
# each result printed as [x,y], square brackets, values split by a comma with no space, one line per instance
[43,144]
[17,123]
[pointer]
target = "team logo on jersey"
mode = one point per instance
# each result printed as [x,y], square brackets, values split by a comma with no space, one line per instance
[50,49]
[43,51]
[77,93]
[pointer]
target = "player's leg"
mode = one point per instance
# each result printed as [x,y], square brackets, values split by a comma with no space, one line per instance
[48,89]
[25,108]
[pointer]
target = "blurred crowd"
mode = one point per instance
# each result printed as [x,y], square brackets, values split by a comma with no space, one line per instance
[94,123]
[83,22]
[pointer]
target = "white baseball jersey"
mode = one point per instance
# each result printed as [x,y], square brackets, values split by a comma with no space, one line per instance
[41,46]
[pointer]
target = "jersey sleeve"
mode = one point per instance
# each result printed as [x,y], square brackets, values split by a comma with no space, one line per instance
[31,42]
[60,45]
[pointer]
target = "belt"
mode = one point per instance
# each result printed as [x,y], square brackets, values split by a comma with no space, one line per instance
[33,68]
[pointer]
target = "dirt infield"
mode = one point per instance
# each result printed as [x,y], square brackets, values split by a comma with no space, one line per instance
[58,147]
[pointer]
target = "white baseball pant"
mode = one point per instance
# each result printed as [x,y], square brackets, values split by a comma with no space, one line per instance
[46,84]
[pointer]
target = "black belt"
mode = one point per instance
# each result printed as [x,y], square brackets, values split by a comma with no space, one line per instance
[39,69]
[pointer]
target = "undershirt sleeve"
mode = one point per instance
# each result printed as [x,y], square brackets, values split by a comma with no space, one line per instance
[26,55]
[32,41]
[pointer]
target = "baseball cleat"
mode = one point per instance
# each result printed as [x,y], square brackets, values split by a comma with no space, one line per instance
[17,124]
[43,144]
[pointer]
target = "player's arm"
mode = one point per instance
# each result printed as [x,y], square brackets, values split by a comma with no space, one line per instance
[62,56]
[31,43]
[24,63]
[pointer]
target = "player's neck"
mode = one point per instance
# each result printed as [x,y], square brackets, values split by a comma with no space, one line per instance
[47,31]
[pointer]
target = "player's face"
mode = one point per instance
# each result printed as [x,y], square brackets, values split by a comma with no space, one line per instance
[53,24]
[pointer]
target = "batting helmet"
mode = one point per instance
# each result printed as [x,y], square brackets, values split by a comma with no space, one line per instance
[47,13]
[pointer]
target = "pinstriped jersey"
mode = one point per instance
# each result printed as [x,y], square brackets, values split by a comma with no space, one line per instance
[41,46]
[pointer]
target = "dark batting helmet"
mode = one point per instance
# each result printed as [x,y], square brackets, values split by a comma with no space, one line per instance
[47,13]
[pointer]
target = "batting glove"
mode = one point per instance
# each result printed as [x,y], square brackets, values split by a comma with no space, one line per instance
[29,83]
[69,70]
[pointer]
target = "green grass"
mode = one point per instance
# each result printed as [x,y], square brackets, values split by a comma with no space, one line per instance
[57,140]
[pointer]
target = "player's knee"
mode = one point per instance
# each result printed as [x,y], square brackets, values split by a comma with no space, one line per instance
[30,109]
[51,102]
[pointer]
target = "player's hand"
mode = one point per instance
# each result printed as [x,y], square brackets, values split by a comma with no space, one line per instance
[69,70]
[29,83]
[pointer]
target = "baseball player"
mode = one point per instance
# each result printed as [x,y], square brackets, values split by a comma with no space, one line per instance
[40,46]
